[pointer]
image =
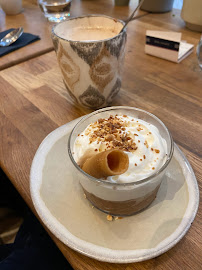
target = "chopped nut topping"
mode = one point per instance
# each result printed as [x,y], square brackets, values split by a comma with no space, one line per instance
[100,120]
[112,132]
[141,159]
[109,218]
[135,164]
[116,218]
[109,137]
[157,151]
[144,157]
[146,144]
[153,168]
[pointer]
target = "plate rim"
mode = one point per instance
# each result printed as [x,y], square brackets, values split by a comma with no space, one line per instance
[92,250]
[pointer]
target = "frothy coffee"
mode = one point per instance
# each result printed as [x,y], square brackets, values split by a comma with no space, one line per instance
[90,53]
[87,34]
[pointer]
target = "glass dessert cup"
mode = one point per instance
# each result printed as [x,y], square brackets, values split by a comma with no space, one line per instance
[121,199]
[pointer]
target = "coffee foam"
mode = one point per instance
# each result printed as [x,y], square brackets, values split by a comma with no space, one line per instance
[88,34]
[88,28]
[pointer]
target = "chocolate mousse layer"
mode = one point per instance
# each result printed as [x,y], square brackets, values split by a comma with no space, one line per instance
[122,208]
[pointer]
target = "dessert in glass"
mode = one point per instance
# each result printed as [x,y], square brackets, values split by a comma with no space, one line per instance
[128,141]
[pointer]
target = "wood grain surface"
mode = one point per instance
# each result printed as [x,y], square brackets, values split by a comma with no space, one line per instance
[33,102]
[34,22]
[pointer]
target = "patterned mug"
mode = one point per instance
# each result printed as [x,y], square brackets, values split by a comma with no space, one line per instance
[91,69]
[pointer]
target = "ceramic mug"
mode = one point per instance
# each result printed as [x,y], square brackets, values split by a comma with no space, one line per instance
[91,69]
[192,14]
[157,5]
[11,7]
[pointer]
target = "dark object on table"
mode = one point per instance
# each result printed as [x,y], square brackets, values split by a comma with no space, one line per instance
[10,198]
[24,40]
[33,248]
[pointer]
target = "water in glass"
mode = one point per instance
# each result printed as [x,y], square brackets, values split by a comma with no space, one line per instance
[55,10]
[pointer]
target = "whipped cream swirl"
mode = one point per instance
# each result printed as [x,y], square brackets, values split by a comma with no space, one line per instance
[141,141]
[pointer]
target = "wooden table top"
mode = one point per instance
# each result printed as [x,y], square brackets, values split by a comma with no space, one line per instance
[34,22]
[34,102]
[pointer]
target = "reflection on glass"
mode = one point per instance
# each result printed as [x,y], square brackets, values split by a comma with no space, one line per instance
[55,10]
[199,53]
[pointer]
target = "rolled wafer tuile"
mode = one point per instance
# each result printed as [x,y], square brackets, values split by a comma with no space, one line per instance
[107,163]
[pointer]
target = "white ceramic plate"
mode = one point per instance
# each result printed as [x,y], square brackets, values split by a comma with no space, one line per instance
[59,201]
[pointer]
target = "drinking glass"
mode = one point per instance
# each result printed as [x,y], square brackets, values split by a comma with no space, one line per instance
[11,7]
[199,53]
[121,199]
[55,10]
